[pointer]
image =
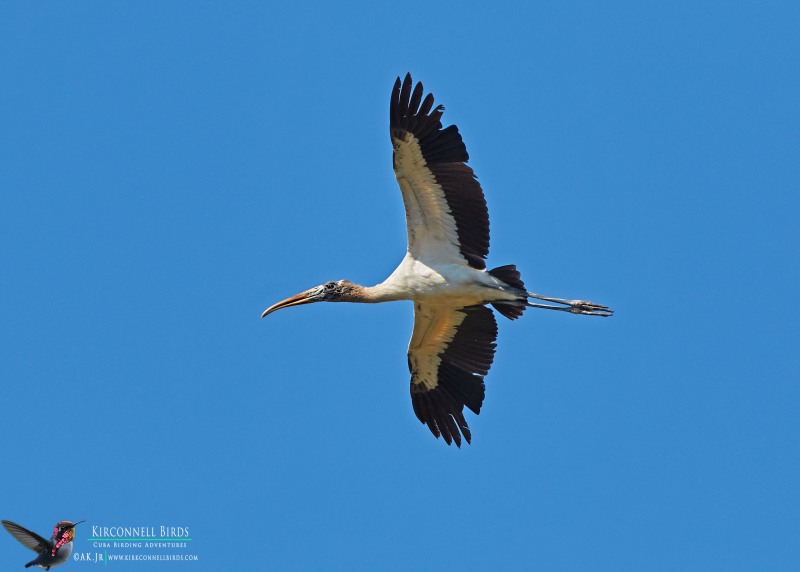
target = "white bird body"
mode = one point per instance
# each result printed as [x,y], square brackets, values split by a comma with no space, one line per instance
[453,283]
[444,270]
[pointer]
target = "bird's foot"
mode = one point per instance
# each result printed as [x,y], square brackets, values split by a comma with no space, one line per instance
[588,308]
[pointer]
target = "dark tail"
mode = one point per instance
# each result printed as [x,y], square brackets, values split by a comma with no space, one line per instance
[510,275]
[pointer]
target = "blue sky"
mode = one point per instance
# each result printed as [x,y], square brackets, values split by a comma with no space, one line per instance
[171,169]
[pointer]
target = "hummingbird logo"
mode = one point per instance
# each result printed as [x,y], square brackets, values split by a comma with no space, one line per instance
[51,552]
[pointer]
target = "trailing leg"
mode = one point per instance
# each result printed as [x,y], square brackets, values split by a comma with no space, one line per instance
[584,307]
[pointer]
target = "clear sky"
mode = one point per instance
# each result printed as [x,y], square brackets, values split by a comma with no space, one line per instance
[170,169]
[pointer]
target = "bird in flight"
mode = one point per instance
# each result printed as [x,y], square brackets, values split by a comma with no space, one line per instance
[444,269]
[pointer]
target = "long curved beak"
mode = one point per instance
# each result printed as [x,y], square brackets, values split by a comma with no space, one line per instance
[74,524]
[302,298]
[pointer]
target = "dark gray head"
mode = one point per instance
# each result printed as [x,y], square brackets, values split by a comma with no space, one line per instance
[338,291]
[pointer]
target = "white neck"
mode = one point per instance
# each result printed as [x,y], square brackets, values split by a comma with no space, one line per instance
[383,292]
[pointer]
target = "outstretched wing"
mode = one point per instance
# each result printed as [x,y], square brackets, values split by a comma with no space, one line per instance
[450,352]
[26,537]
[446,213]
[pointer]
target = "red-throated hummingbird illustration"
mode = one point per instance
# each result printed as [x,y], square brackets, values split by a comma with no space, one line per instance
[51,552]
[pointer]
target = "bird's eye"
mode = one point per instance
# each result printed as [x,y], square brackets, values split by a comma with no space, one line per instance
[330,286]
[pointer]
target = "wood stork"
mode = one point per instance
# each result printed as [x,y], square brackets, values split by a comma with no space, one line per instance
[443,272]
